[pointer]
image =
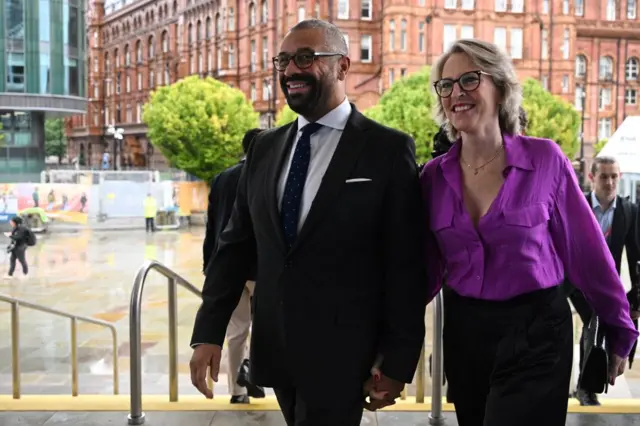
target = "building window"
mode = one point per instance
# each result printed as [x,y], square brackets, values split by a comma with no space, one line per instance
[167,77]
[139,51]
[127,83]
[566,47]
[231,20]
[545,44]
[545,82]
[403,35]
[346,40]
[605,68]
[392,77]
[365,48]
[165,41]
[127,56]
[631,9]
[139,87]
[266,90]
[264,15]
[151,49]
[421,37]
[96,91]
[254,57]
[631,69]
[139,112]
[129,114]
[96,65]
[265,52]
[403,72]
[366,12]
[317,11]
[581,66]
[207,28]
[611,10]
[466,32]
[579,7]
[516,43]
[209,61]
[565,83]
[630,97]
[565,7]
[253,92]
[199,32]
[343,9]
[218,24]
[578,98]
[517,6]
[231,57]
[219,59]
[467,5]
[501,5]
[252,14]
[500,37]
[604,128]
[152,79]
[300,14]
[448,37]
[392,35]
[450,4]
[604,99]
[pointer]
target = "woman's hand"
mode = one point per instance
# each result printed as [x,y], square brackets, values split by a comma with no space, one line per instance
[616,368]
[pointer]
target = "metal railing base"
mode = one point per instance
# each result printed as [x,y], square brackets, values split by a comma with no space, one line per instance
[436,421]
[138,420]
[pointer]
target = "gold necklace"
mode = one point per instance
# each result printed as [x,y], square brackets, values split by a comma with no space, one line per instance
[477,169]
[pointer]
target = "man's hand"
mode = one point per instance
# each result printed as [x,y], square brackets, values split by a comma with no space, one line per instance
[616,368]
[635,315]
[382,391]
[205,356]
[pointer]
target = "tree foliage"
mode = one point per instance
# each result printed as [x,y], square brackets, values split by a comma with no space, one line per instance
[198,124]
[551,117]
[55,140]
[285,116]
[598,146]
[407,106]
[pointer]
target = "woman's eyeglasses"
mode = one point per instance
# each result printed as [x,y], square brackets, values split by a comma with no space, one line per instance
[468,82]
[303,60]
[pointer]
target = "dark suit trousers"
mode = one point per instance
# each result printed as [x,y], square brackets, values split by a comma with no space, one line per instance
[509,362]
[325,411]
[585,312]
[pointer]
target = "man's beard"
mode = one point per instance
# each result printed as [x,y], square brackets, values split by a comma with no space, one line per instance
[304,104]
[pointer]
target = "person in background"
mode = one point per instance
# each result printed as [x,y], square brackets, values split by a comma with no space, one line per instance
[150,211]
[17,249]
[508,221]
[222,196]
[617,218]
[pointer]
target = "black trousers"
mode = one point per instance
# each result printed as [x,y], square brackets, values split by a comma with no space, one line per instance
[19,254]
[509,363]
[150,224]
[323,412]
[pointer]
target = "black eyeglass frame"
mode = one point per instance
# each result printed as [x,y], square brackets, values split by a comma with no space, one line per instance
[455,81]
[314,55]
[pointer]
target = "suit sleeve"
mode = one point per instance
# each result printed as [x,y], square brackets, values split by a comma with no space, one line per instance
[632,246]
[227,272]
[405,281]
[209,236]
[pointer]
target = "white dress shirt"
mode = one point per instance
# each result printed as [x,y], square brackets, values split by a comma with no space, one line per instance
[323,145]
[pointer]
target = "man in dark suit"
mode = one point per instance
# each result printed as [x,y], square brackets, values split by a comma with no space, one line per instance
[617,217]
[221,199]
[330,208]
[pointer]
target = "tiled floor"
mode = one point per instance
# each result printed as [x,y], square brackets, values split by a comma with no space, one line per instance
[91,274]
[238,418]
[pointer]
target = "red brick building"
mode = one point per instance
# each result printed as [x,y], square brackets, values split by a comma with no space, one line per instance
[572,46]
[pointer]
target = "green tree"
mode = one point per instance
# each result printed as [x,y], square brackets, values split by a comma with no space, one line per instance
[407,106]
[198,124]
[551,117]
[285,116]
[55,140]
[599,145]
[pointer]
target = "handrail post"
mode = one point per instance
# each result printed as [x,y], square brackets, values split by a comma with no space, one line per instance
[435,418]
[173,340]
[74,357]
[420,378]
[15,349]
[136,416]
[116,371]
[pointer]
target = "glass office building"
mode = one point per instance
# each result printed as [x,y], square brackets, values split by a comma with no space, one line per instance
[42,75]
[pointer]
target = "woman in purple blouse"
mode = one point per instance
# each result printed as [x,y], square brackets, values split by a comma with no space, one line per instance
[508,221]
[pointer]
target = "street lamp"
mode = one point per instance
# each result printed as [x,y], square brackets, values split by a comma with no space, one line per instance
[117,144]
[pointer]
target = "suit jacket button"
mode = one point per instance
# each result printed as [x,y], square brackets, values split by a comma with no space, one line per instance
[288,264]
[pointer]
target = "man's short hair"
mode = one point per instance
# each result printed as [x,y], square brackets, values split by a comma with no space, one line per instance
[601,160]
[333,36]
[248,138]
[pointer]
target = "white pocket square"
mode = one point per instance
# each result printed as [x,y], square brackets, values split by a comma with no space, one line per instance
[357,180]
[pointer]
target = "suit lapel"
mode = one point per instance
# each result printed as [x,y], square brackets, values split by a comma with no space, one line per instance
[344,159]
[282,144]
[617,228]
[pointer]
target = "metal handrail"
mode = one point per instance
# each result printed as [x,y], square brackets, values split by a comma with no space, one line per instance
[435,417]
[15,342]
[136,416]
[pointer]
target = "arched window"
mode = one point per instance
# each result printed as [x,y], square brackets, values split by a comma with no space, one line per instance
[606,68]
[631,69]
[581,66]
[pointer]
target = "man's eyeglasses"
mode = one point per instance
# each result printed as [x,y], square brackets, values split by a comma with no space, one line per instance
[303,60]
[468,82]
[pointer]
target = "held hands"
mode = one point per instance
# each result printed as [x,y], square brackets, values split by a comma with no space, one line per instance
[205,356]
[381,390]
[616,368]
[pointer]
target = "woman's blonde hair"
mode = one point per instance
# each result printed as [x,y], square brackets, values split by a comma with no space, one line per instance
[492,60]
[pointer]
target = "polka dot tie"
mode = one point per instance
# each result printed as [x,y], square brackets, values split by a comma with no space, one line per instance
[292,197]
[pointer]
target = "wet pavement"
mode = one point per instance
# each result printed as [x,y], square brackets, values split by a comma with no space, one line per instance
[238,418]
[91,273]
